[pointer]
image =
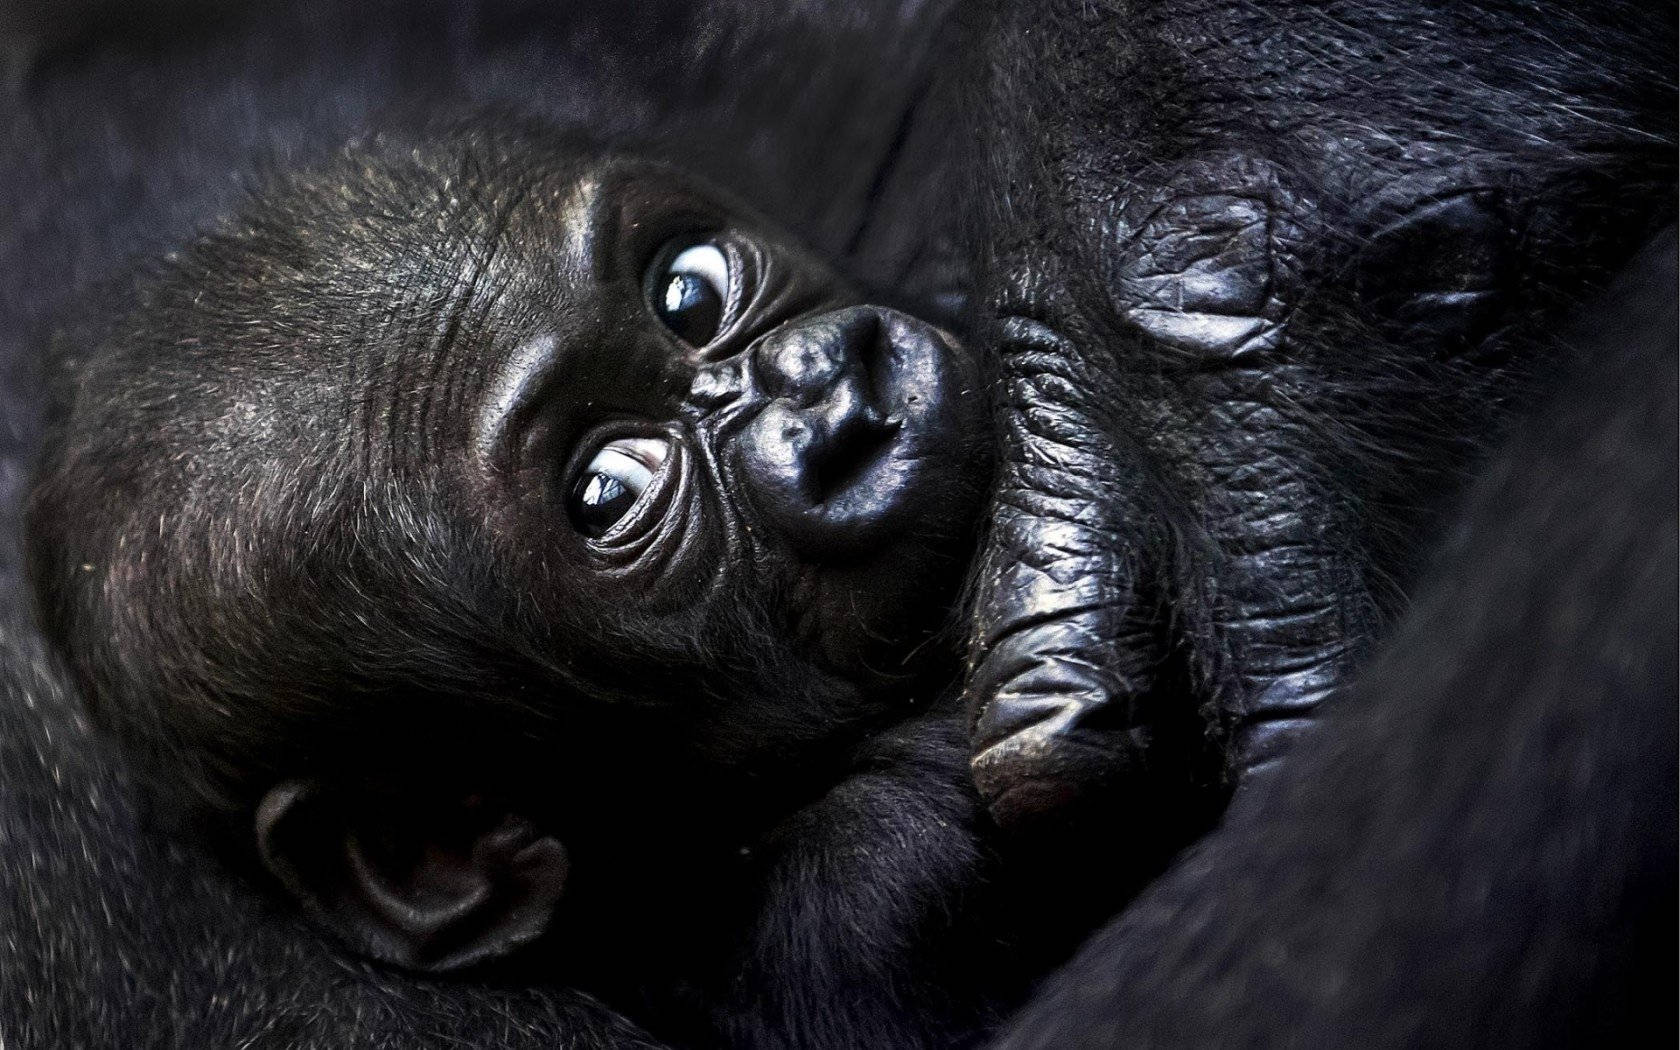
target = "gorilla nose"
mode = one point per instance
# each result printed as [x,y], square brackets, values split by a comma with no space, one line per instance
[852,400]
[805,362]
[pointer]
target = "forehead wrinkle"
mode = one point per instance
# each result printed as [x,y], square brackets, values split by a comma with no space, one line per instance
[442,381]
[515,381]
[457,284]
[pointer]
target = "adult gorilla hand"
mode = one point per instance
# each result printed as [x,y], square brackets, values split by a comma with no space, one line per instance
[1265,279]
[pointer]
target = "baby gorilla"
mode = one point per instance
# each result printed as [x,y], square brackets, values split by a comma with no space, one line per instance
[503,545]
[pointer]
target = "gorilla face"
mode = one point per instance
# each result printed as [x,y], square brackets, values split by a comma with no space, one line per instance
[469,469]
[714,424]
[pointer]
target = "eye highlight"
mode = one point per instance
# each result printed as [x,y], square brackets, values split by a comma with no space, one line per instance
[613,481]
[689,291]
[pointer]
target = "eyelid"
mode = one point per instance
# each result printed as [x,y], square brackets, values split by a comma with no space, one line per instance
[653,449]
[732,302]
[649,453]
[614,461]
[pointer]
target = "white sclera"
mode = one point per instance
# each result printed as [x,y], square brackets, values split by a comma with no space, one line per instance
[631,461]
[705,261]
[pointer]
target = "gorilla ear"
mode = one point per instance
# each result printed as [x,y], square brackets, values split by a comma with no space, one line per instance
[432,890]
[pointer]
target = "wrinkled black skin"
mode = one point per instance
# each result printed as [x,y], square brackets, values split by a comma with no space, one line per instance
[125,138]
[1196,539]
[1477,845]
[1267,282]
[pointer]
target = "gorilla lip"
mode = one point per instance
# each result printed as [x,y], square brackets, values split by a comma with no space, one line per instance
[846,470]
[909,380]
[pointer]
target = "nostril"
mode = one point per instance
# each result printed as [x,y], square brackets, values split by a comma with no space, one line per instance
[871,352]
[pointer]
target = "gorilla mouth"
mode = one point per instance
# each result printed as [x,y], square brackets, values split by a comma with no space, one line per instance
[852,466]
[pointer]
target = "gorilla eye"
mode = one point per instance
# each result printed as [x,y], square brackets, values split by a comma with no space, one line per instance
[690,292]
[617,475]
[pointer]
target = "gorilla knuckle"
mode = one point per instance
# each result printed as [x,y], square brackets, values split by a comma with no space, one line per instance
[1208,266]
[1438,266]
[1052,715]
[1063,650]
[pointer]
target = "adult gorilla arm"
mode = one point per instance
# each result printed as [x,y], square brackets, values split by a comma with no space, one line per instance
[1476,844]
[1268,280]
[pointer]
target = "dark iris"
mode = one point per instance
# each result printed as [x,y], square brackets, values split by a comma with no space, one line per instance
[599,501]
[690,307]
[613,480]
[690,287]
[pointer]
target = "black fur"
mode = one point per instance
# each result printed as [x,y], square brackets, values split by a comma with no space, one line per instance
[118,935]
[1578,100]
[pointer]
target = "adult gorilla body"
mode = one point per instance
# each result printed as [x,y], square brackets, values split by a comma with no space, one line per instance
[1272,280]
[1478,846]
